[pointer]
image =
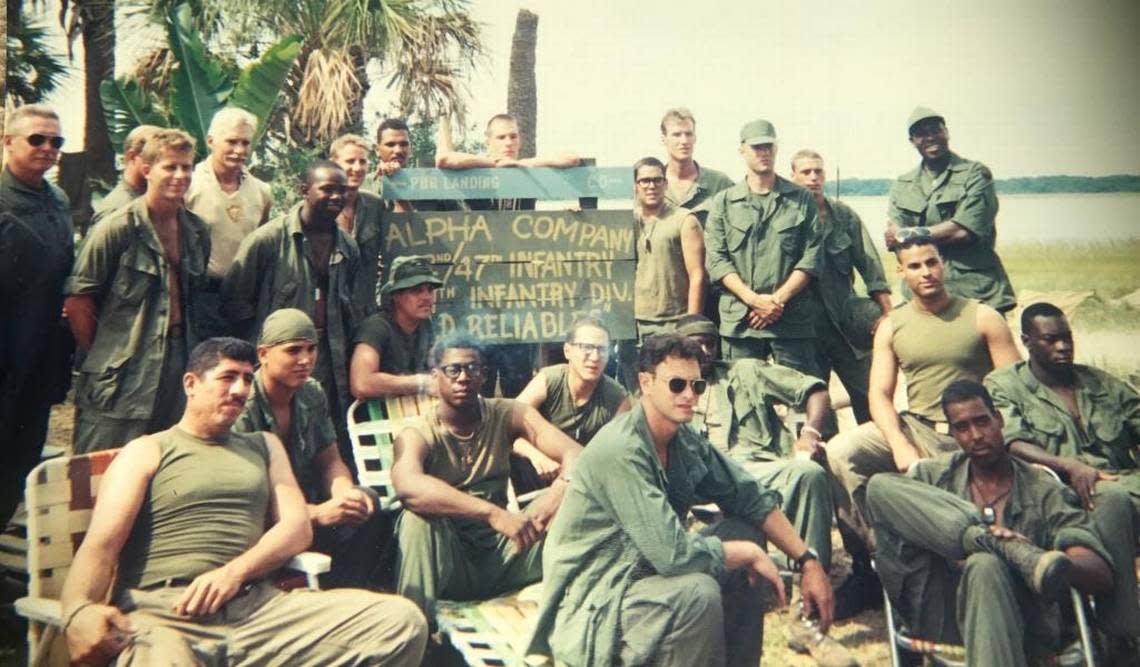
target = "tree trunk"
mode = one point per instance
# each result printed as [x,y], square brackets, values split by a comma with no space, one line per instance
[98,26]
[522,95]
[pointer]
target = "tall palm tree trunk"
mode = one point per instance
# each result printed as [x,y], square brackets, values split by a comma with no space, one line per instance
[522,95]
[98,29]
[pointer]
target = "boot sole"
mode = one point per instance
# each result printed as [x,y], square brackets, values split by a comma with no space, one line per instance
[1052,576]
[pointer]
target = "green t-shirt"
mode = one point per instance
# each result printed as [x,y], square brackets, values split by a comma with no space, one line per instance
[400,353]
[579,422]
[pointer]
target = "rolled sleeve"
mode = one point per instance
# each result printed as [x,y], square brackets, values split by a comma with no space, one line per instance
[718,261]
[1068,524]
[977,209]
[735,491]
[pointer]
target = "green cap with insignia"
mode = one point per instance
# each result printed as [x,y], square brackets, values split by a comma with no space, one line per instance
[408,272]
[758,132]
[286,325]
[920,114]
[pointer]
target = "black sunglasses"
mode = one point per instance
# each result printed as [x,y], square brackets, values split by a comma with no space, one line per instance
[677,385]
[452,371]
[39,139]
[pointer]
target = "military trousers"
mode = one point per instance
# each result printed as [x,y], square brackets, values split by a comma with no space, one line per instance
[1118,612]
[797,353]
[458,559]
[856,455]
[834,353]
[360,558]
[263,625]
[694,619]
[806,489]
[96,430]
[981,603]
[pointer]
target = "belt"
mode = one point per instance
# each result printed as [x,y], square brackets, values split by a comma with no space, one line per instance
[177,582]
[942,428]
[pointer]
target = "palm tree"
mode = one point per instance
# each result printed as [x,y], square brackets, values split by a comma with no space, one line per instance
[522,95]
[33,69]
[93,22]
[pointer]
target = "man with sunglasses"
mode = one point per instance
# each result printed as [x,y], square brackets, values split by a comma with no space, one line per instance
[457,539]
[625,582]
[576,396]
[36,250]
[954,199]
[934,339]
[763,249]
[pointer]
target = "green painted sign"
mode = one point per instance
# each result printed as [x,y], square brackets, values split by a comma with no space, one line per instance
[514,182]
[523,276]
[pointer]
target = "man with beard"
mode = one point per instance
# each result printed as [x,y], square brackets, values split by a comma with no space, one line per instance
[953,198]
[304,260]
[975,545]
[576,396]
[457,539]
[132,303]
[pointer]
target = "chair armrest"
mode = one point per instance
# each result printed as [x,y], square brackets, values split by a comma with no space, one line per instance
[40,610]
[310,562]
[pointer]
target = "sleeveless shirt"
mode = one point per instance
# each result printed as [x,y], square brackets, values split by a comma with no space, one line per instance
[479,465]
[579,422]
[206,504]
[935,349]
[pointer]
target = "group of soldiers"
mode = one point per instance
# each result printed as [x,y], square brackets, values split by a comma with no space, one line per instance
[199,323]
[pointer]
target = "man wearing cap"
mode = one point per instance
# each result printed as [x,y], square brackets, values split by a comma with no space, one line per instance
[689,184]
[132,184]
[954,199]
[390,357]
[287,402]
[763,249]
[457,538]
[844,321]
[36,252]
[132,300]
[304,260]
[934,339]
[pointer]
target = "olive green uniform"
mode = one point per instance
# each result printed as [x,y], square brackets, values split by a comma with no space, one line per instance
[920,521]
[625,582]
[121,195]
[275,268]
[763,238]
[208,503]
[463,559]
[708,183]
[36,252]
[844,320]
[400,353]
[933,350]
[130,382]
[737,414]
[368,232]
[355,549]
[963,193]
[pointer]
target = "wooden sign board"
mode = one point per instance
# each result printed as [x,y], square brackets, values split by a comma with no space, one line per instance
[542,183]
[523,276]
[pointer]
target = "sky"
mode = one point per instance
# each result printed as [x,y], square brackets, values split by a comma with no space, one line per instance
[1030,87]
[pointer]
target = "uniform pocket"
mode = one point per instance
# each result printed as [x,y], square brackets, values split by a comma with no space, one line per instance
[839,254]
[285,296]
[98,389]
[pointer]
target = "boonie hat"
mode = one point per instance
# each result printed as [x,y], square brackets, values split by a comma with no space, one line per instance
[920,114]
[408,272]
[758,132]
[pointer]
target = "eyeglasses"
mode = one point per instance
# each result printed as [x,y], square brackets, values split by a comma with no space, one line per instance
[651,180]
[587,349]
[677,385]
[39,139]
[452,371]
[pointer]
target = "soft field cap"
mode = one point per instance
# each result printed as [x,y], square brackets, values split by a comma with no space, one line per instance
[411,271]
[920,114]
[758,132]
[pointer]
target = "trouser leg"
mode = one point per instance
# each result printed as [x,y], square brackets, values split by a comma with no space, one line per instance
[324,374]
[95,431]
[673,622]
[854,372]
[357,552]
[745,348]
[989,613]
[328,628]
[161,637]
[743,605]
[430,555]
[1118,612]
[805,487]
[170,399]
[22,440]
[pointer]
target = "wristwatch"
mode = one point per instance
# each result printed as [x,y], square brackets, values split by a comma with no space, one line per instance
[798,564]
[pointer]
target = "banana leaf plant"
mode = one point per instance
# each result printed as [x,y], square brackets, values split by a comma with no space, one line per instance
[200,86]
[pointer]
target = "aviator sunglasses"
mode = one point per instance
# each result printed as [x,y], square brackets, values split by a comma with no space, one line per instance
[677,385]
[38,140]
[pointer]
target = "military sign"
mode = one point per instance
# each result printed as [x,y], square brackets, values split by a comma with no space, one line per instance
[512,276]
[533,182]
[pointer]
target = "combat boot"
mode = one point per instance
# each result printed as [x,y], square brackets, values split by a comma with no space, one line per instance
[1046,572]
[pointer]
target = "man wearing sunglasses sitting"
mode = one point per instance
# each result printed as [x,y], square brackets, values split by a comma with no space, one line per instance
[576,396]
[625,582]
[457,539]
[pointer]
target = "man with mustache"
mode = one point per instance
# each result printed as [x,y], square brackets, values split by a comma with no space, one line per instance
[304,260]
[36,252]
[457,539]
[287,402]
[953,198]
[132,303]
[189,525]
